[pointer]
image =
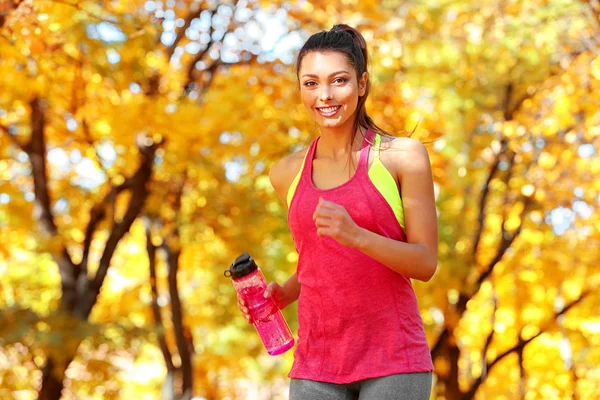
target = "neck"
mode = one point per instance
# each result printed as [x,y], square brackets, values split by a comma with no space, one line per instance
[336,143]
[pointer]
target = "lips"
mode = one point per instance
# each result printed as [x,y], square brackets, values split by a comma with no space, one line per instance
[328,111]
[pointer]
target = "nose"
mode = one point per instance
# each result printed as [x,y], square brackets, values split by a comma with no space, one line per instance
[325,93]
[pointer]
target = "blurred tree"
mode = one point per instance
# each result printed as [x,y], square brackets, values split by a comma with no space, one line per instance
[88,82]
[192,94]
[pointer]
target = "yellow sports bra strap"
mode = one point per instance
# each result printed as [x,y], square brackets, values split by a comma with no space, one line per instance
[385,183]
[292,189]
[377,146]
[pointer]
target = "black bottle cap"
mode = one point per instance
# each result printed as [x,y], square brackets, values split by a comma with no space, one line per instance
[242,266]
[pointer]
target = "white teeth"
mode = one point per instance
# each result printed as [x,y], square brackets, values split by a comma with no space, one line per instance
[329,109]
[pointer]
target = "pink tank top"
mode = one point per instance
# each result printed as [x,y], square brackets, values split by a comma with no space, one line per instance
[357,318]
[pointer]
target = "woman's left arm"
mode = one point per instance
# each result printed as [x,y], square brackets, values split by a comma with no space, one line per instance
[416,259]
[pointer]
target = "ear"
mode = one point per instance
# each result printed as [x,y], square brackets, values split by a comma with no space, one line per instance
[362,84]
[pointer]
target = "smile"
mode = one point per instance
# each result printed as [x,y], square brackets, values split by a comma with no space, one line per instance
[328,111]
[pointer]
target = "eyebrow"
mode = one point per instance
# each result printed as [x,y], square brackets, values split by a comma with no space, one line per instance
[330,75]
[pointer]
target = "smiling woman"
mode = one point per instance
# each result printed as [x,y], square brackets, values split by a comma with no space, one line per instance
[364,224]
[330,94]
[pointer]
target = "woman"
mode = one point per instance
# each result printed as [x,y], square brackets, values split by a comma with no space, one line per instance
[363,219]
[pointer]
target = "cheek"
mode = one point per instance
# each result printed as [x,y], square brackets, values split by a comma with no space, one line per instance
[348,93]
[306,97]
[350,98]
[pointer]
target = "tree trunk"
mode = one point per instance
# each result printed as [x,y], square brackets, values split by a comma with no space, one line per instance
[79,299]
[182,334]
[452,388]
[52,380]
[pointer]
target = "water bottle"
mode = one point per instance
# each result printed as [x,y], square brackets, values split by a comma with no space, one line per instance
[250,284]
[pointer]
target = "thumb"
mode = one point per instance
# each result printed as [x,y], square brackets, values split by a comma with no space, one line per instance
[269,289]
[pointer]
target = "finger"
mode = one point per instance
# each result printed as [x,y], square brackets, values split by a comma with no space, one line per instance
[320,207]
[324,231]
[323,222]
[327,210]
[270,288]
[316,213]
[334,209]
[324,219]
[331,209]
[327,203]
[322,225]
[326,213]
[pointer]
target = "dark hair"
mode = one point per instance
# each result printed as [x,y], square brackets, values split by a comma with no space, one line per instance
[347,40]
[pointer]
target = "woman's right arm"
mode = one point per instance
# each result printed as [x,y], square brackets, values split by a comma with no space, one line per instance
[292,289]
[281,175]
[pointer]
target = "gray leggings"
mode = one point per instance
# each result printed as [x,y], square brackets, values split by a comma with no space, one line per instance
[411,386]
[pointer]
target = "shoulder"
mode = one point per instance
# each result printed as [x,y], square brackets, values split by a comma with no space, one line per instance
[283,172]
[403,144]
[404,155]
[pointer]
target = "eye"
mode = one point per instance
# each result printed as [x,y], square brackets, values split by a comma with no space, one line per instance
[341,80]
[310,83]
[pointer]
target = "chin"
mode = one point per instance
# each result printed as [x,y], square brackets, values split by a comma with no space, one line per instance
[331,123]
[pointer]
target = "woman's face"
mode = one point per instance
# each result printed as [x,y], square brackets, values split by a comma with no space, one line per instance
[329,88]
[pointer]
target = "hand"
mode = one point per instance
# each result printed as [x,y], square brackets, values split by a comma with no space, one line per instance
[273,290]
[278,293]
[244,309]
[334,221]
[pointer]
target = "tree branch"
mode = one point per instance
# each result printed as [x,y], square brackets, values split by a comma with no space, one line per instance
[436,349]
[506,241]
[97,214]
[139,190]
[484,196]
[490,337]
[191,70]
[522,373]
[183,339]
[508,113]
[13,138]
[505,244]
[211,70]
[37,157]
[507,192]
[151,250]
[36,151]
[470,394]
[181,31]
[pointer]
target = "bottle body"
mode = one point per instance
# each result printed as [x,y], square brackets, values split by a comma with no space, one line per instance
[266,316]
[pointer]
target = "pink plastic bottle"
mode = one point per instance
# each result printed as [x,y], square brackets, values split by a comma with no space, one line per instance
[250,284]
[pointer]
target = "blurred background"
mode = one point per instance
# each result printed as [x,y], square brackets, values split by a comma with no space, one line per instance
[136,140]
